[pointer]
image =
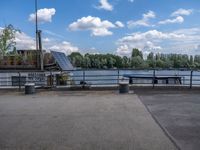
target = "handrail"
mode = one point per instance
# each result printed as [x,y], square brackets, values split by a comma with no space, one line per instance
[98,77]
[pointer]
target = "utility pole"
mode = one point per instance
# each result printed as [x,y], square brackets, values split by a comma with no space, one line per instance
[40,49]
[37,35]
[36,32]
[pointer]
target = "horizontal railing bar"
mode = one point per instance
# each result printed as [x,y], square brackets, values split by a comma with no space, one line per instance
[104,79]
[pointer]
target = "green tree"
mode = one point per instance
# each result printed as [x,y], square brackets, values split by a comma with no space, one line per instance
[137,62]
[7,39]
[150,56]
[110,62]
[136,52]
[150,60]
[76,59]
[126,62]
[191,61]
[118,61]
[159,63]
[97,63]
[165,61]
[86,62]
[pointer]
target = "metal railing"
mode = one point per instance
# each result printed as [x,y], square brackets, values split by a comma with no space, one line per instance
[94,77]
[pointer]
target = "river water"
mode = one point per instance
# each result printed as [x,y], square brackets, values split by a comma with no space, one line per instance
[111,76]
[100,77]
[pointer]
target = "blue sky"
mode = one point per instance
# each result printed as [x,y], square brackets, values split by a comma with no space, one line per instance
[107,26]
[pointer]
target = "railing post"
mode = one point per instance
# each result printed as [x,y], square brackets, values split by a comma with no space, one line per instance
[83,79]
[19,82]
[118,76]
[154,77]
[51,82]
[83,75]
[191,75]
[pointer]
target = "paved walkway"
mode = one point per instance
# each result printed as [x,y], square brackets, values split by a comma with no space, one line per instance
[78,121]
[178,112]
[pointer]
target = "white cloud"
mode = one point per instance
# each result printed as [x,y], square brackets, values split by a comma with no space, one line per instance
[178,19]
[50,33]
[144,21]
[188,31]
[124,50]
[119,24]
[184,41]
[131,1]
[192,36]
[65,47]
[104,4]
[46,40]
[182,12]
[197,49]
[23,41]
[97,26]
[147,41]
[178,14]
[44,15]
[149,15]
[101,32]
[150,35]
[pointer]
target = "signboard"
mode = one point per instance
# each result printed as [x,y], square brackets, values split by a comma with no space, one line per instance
[37,77]
[16,80]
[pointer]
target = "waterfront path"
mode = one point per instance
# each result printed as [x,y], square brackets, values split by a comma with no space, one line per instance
[78,121]
[178,112]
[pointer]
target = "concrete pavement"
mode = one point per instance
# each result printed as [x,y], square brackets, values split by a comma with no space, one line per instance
[178,112]
[78,121]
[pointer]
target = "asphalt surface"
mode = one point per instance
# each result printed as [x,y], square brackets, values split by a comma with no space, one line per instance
[78,121]
[178,112]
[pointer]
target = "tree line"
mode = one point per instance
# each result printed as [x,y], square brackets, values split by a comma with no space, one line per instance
[107,61]
[136,61]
